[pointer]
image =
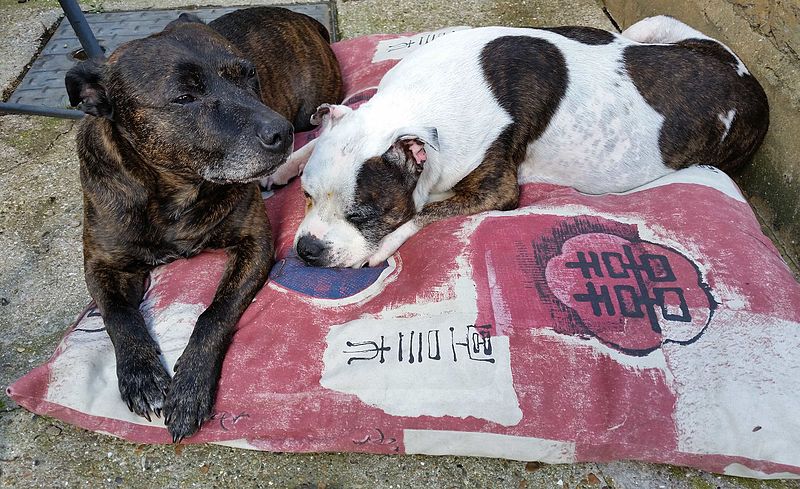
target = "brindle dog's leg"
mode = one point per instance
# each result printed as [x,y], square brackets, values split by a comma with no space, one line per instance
[190,400]
[143,381]
[491,186]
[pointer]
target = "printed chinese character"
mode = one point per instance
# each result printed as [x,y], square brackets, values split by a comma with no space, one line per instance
[401,45]
[478,343]
[632,301]
[367,348]
[587,267]
[412,346]
[596,299]
[663,294]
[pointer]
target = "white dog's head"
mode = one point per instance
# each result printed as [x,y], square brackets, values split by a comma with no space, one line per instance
[359,185]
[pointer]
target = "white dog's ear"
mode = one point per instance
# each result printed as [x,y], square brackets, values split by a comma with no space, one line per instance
[425,135]
[414,144]
[328,115]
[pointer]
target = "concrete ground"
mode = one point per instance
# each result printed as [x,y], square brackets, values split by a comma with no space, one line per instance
[42,290]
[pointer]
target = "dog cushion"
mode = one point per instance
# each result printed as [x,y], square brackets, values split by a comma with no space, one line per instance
[658,325]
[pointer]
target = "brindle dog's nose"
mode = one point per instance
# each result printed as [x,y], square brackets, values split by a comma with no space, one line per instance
[310,249]
[275,136]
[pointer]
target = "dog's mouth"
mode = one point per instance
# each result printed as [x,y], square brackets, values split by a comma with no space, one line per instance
[223,178]
[246,179]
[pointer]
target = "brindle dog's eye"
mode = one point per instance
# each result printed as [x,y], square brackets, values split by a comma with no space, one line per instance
[251,73]
[184,99]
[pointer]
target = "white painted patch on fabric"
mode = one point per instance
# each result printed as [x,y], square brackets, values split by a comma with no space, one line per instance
[91,387]
[654,360]
[372,360]
[420,359]
[399,47]
[464,443]
[739,470]
[240,443]
[733,383]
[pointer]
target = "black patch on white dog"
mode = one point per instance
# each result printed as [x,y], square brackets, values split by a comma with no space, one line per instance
[384,194]
[584,35]
[694,84]
[528,77]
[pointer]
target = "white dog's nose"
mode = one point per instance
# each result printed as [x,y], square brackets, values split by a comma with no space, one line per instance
[311,250]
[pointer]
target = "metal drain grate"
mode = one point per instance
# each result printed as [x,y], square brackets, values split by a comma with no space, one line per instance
[43,85]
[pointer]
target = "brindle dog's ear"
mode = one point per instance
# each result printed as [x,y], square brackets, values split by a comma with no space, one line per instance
[414,144]
[184,18]
[86,89]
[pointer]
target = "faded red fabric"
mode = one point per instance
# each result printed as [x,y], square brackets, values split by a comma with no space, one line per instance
[660,325]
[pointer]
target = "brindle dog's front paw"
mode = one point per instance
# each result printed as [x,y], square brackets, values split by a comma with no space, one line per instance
[190,401]
[143,381]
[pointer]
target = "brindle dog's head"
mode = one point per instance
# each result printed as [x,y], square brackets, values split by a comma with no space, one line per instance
[186,102]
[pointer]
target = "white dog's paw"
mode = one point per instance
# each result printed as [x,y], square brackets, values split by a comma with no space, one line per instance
[290,169]
[266,183]
[383,254]
[287,171]
[293,167]
[392,242]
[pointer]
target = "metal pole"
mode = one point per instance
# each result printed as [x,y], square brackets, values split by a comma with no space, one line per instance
[90,46]
[8,108]
[78,22]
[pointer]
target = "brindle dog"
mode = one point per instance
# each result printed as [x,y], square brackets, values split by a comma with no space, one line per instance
[176,136]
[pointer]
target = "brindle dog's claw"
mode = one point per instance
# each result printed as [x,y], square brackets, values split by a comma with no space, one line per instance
[143,383]
[187,420]
[190,401]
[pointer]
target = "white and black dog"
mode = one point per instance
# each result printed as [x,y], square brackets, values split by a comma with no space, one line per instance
[456,124]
